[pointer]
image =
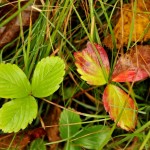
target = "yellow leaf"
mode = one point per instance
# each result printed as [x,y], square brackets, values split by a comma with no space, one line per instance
[140,17]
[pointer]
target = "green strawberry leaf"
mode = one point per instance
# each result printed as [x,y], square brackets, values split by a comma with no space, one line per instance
[13,82]
[116,103]
[70,146]
[17,114]
[38,144]
[69,123]
[47,76]
[92,137]
[93,64]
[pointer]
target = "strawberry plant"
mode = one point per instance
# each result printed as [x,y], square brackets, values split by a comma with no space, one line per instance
[22,108]
[78,136]
[93,65]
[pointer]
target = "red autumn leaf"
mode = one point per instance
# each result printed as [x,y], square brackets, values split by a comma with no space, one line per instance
[93,64]
[133,66]
[117,102]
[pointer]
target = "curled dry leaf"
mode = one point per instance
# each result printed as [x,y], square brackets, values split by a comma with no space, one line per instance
[93,64]
[133,66]
[141,28]
[118,104]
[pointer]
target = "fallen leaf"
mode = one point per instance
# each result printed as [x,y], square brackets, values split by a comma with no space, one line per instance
[122,30]
[11,30]
[133,66]
[21,139]
[93,64]
[116,101]
[36,133]
[143,5]
[51,122]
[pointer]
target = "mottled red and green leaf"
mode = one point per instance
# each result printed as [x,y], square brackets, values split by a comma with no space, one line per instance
[93,64]
[120,107]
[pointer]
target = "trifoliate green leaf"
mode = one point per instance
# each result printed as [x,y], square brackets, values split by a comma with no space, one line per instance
[47,76]
[92,137]
[17,114]
[13,82]
[69,124]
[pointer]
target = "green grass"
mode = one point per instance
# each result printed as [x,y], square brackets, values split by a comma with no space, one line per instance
[62,28]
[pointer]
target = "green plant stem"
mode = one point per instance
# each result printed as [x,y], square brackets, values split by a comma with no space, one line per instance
[109,24]
[22,38]
[92,19]
[62,16]
[15,14]
[131,136]
[61,34]
[132,25]
[11,142]
[82,23]
[145,141]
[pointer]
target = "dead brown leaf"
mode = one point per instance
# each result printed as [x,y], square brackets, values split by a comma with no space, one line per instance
[51,122]
[11,30]
[140,17]
[21,140]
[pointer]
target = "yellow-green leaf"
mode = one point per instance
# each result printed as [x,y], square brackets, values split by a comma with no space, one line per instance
[13,82]
[17,114]
[47,76]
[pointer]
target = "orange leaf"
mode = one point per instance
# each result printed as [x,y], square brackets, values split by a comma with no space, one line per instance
[133,66]
[93,64]
[116,103]
[139,17]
